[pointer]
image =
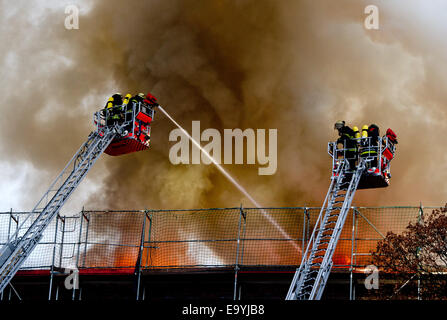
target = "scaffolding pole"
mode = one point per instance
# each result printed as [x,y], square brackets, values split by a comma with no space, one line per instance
[50,290]
[86,237]
[139,259]
[353,254]
[236,265]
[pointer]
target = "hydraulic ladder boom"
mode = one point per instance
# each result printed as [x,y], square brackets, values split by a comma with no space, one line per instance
[30,231]
[310,278]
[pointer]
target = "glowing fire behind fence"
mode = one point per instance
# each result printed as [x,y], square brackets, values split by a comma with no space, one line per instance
[202,238]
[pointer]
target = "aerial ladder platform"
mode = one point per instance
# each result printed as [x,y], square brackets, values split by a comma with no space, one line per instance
[349,174]
[119,130]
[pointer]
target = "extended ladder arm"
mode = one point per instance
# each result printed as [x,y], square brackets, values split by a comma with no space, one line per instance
[310,278]
[30,231]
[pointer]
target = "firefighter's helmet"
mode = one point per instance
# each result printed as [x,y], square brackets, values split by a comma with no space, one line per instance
[365,131]
[339,124]
[117,99]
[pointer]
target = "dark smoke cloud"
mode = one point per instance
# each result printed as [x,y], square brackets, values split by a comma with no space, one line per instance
[292,65]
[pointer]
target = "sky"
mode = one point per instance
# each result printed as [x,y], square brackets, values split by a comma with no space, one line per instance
[294,66]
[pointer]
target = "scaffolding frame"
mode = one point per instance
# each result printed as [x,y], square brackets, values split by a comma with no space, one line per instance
[71,237]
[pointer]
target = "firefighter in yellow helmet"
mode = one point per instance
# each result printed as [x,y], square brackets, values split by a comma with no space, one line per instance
[365,131]
[118,112]
[127,98]
[113,106]
[370,148]
[109,103]
[356,132]
[108,111]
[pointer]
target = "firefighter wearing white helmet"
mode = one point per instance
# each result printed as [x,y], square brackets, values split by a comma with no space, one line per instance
[347,136]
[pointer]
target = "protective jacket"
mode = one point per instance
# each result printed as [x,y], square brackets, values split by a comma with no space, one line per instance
[347,136]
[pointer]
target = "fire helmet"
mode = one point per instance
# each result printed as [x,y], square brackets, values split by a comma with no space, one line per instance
[339,124]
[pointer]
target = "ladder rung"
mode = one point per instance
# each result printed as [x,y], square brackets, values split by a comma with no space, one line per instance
[319,256]
[311,279]
[305,288]
[330,224]
[324,237]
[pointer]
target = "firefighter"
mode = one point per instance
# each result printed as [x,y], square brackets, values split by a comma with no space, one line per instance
[133,103]
[108,111]
[356,132]
[140,97]
[374,133]
[135,100]
[127,107]
[117,113]
[117,99]
[347,136]
[365,131]
[370,149]
[113,112]
[127,98]
[363,143]
[109,103]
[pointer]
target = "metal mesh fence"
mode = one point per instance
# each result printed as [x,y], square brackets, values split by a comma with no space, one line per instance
[155,239]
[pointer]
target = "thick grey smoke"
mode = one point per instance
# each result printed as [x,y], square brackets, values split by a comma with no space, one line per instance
[297,66]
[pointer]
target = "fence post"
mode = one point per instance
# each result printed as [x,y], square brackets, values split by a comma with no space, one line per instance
[52,261]
[9,225]
[148,237]
[305,217]
[241,262]
[62,240]
[16,220]
[77,255]
[420,217]
[143,231]
[307,227]
[351,269]
[236,266]
[86,237]
[79,238]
